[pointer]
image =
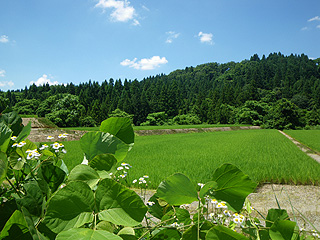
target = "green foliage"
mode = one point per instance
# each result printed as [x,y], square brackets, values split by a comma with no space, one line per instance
[40,204]
[119,113]
[156,119]
[4,103]
[177,190]
[285,115]
[186,119]
[27,106]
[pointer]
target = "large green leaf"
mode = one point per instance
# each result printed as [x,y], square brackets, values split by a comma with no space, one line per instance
[282,230]
[233,186]
[3,166]
[5,135]
[119,127]
[177,189]
[276,214]
[28,146]
[70,207]
[118,204]
[16,228]
[24,133]
[95,143]
[222,233]
[103,162]
[86,234]
[6,210]
[33,199]
[85,174]
[13,120]
[34,233]
[53,175]
[167,233]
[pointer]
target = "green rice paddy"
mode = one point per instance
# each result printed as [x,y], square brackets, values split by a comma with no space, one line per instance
[264,155]
[310,138]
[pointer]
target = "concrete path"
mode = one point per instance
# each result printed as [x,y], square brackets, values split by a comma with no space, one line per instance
[303,148]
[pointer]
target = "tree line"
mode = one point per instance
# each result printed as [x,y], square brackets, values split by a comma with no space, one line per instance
[276,91]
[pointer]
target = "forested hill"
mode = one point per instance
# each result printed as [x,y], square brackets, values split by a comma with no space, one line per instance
[252,91]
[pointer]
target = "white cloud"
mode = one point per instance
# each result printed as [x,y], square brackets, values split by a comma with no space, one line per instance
[43,80]
[206,37]
[6,84]
[2,73]
[145,63]
[122,11]
[318,26]
[304,28]
[4,39]
[316,18]
[171,36]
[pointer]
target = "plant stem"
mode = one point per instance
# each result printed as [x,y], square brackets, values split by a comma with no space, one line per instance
[198,221]
[16,190]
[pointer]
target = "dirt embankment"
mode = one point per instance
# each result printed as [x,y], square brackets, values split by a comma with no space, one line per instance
[191,130]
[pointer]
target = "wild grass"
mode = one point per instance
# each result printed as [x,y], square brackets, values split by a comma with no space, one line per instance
[310,138]
[264,155]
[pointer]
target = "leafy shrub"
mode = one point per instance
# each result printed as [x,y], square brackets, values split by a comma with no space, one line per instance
[87,122]
[156,119]
[186,119]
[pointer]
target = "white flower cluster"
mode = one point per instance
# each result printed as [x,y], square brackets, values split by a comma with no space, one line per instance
[33,154]
[142,180]
[44,146]
[63,135]
[238,218]
[315,233]
[56,146]
[149,203]
[201,185]
[20,144]
[124,167]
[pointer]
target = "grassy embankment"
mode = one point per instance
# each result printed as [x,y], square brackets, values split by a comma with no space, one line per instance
[162,127]
[265,155]
[310,138]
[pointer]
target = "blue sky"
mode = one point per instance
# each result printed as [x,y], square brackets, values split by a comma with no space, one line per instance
[63,41]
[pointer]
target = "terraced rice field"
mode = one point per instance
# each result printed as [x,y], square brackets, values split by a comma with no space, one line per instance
[265,155]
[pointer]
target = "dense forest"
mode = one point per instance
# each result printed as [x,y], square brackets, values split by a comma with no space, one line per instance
[276,92]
